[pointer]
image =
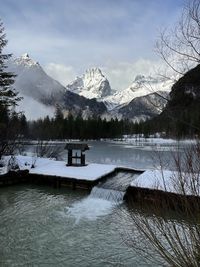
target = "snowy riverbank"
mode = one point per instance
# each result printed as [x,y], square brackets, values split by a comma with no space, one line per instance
[169,181]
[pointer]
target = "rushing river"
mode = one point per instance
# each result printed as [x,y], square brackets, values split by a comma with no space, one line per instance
[42,226]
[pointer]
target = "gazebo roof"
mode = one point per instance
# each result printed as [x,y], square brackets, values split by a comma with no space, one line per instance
[77,146]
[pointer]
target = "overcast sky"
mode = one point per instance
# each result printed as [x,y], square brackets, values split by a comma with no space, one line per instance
[68,36]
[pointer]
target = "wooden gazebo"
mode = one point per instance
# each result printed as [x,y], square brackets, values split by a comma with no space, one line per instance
[76,158]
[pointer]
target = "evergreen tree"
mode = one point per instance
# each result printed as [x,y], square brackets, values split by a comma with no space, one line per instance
[23,125]
[8,96]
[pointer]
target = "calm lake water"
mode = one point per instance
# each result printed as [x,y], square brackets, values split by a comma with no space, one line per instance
[140,155]
[42,226]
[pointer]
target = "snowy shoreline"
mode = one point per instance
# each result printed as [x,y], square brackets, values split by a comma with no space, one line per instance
[162,180]
[169,182]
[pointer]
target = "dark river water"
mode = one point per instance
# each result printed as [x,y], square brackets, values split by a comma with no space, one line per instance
[42,226]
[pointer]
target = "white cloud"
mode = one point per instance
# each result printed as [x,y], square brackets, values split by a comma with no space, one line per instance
[28,105]
[119,74]
[122,74]
[63,74]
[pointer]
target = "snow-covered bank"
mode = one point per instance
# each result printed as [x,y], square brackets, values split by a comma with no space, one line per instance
[169,181]
[165,180]
[50,167]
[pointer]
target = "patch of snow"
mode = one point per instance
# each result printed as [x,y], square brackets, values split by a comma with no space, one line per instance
[50,167]
[169,181]
[3,170]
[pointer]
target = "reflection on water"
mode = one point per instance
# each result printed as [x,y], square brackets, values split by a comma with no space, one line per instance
[136,155]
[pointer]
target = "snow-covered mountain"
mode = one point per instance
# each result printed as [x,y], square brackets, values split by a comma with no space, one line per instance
[31,79]
[144,107]
[141,86]
[88,95]
[140,108]
[92,84]
[41,93]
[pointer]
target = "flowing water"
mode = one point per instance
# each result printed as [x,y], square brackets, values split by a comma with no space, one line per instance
[114,188]
[42,226]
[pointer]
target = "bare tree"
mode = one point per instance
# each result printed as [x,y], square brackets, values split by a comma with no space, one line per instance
[180,46]
[46,149]
[165,226]
[168,230]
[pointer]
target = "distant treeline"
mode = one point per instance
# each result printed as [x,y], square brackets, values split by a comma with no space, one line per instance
[14,125]
[96,128]
[77,128]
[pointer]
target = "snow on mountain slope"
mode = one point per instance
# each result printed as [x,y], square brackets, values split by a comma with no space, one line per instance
[31,80]
[140,87]
[145,107]
[92,84]
[140,108]
[42,94]
[33,84]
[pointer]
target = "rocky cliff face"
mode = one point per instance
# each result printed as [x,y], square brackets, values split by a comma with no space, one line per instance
[74,104]
[144,107]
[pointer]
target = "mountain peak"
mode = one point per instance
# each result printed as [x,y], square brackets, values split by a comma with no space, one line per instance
[139,77]
[31,80]
[92,84]
[26,61]
[94,71]
[25,56]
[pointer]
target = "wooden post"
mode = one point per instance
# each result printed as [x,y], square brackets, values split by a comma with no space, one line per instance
[82,159]
[69,163]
